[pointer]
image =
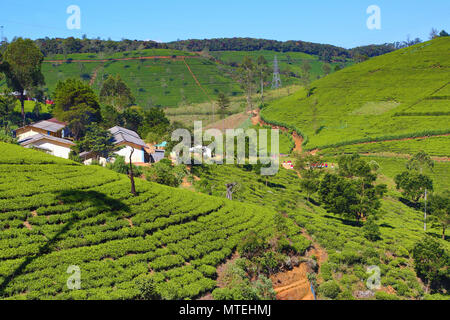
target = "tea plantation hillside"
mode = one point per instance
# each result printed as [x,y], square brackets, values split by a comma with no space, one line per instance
[401,94]
[289,62]
[348,252]
[55,214]
[162,78]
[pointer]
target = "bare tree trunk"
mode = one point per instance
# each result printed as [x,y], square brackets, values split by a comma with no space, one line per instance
[230,187]
[133,187]
[22,104]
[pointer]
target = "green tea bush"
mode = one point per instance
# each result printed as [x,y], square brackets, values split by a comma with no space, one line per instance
[330,289]
[381,295]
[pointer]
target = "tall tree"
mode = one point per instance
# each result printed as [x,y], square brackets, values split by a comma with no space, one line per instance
[98,141]
[326,68]
[413,185]
[353,191]
[306,75]
[7,106]
[262,70]
[223,102]
[247,75]
[420,161]
[433,33]
[23,61]
[76,103]
[115,92]
[430,261]
[439,209]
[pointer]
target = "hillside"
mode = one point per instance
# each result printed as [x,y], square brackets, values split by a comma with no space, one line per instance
[289,62]
[156,77]
[402,94]
[347,253]
[52,217]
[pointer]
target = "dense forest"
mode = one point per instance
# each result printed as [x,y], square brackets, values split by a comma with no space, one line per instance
[326,52]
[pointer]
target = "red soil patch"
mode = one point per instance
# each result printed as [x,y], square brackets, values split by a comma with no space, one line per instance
[298,140]
[130,222]
[27,225]
[230,122]
[293,284]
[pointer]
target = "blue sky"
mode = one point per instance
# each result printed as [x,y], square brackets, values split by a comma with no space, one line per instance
[341,23]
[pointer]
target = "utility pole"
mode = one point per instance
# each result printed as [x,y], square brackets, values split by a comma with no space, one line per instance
[425,217]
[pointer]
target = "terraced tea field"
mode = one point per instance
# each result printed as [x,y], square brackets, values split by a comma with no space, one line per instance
[398,95]
[55,214]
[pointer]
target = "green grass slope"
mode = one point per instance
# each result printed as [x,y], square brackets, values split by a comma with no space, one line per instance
[55,214]
[401,94]
[158,82]
[349,253]
[287,61]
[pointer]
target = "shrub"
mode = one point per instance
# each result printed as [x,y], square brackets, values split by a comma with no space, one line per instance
[381,295]
[148,288]
[252,245]
[330,289]
[371,230]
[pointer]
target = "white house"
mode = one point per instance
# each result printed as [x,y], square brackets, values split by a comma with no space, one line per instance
[51,127]
[129,141]
[52,145]
[47,135]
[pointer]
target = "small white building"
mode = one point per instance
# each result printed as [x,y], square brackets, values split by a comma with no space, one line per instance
[129,141]
[51,127]
[126,140]
[52,145]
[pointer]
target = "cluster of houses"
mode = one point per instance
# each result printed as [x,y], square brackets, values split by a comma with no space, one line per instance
[52,136]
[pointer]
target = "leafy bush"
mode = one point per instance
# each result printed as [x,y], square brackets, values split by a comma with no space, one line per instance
[330,289]
[381,295]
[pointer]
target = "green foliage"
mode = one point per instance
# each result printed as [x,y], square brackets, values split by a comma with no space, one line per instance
[22,66]
[76,103]
[341,94]
[116,93]
[431,261]
[440,208]
[90,219]
[223,103]
[237,285]
[5,136]
[165,173]
[371,230]
[252,245]
[413,184]
[147,287]
[330,289]
[381,295]
[98,141]
[7,106]
[120,166]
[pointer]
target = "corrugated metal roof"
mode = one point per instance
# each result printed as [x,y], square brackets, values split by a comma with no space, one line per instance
[51,126]
[38,137]
[122,135]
